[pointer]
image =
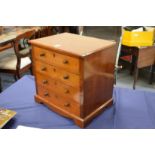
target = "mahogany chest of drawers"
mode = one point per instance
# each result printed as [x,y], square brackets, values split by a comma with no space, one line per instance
[74,74]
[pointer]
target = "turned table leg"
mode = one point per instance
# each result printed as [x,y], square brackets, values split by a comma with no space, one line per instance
[136,69]
[0,85]
[151,74]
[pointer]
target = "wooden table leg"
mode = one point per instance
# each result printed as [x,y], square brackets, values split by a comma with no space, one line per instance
[135,77]
[136,69]
[132,65]
[151,74]
[0,85]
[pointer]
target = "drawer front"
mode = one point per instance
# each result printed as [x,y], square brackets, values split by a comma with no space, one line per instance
[42,54]
[65,77]
[44,80]
[58,74]
[59,87]
[66,104]
[44,92]
[68,63]
[42,68]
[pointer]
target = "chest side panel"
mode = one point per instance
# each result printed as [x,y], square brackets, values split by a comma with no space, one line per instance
[98,79]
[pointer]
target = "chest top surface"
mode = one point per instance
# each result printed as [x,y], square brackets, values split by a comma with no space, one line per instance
[73,44]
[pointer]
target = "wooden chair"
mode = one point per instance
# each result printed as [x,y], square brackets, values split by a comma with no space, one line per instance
[17,60]
[2,48]
[6,46]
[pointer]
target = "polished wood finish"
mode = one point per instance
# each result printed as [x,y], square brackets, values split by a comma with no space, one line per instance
[68,63]
[73,45]
[98,79]
[74,75]
[57,73]
[56,99]
[42,55]
[58,87]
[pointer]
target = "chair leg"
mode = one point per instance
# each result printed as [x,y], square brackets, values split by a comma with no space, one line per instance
[132,65]
[151,74]
[0,85]
[135,77]
[136,69]
[17,76]
[31,71]
[135,58]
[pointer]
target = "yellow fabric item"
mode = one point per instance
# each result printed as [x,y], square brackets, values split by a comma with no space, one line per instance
[144,38]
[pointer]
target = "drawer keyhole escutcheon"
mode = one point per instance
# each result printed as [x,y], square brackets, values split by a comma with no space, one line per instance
[42,54]
[67,104]
[66,77]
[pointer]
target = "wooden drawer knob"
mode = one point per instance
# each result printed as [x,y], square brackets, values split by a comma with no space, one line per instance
[45,81]
[43,69]
[67,104]
[42,54]
[66,91]
[65,61]
[46,94]
[66,77]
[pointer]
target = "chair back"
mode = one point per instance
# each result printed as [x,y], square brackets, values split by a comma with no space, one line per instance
[22,42]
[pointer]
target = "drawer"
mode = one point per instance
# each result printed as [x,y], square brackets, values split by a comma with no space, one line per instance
[44,92]
[43,80]
[59,87]
[65,77]
[68,63]
[42,54]
[42,68]
[58,74]
[65,104]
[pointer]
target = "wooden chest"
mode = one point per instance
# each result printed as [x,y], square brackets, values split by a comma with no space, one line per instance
[74,74]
